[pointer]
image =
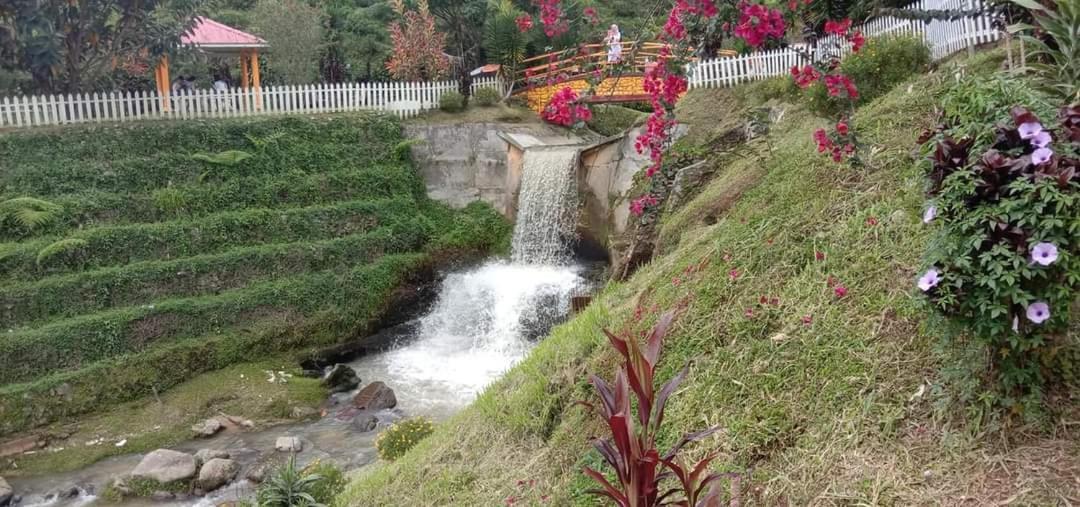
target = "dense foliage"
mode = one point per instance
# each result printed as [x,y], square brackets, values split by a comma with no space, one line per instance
[418,46]
[149,272]
[877,68]
[1005,260]
[401,436]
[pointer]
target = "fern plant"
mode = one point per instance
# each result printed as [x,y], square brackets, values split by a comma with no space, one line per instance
[67,246]
[289,486]
[1056,57]
[24,215]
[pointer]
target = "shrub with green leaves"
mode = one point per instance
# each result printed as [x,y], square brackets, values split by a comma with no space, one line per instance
[289,486]
[25,215]
[1005,260]
[396,440]
[452,102]
[1056,41]
[881,64]
[331,481]
[487,97]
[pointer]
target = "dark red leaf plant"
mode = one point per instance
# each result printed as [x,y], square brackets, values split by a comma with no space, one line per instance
[631,449]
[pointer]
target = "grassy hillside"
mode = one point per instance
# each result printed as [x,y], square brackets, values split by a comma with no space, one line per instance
[170,250]
[821,399]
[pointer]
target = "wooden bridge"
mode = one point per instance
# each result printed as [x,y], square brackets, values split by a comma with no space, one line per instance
[542,76]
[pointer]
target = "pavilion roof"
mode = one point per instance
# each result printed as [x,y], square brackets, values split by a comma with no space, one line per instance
[209,34]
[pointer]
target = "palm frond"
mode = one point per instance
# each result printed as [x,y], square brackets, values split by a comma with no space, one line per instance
[28,213]
[61,247]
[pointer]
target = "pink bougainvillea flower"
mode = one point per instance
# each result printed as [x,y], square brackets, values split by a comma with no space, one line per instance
[1038,312]
[837,27]
[733,274]
[805,76]
[930,214]
[871,221]
[749,313]
[858,40]
[726,257]
[591,15]
[1041,156]
[676,281]
[775,301]
[929,280]
[524,23]
[840,291]
[831,281]
[807,319]
[1041,140]
[819,255]
[1044,254]
[1029,129]
[842,128]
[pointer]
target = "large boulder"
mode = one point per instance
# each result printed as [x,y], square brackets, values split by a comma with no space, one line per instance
[217,473]
[342,378]
[207,428]
[5,492]
[375,396]
[205,455]
[364,422]
[165,466]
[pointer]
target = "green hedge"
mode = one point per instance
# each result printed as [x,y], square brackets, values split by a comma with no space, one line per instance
[294,189]
[132,376]
[79,293]
[150,156]
[881,64]
[71,343]
[110,246]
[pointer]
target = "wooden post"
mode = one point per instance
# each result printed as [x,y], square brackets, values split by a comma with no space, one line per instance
[164,84]
[244,70]
[255,79]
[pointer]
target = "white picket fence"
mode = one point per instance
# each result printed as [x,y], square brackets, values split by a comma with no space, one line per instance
[944,38]
[404,99]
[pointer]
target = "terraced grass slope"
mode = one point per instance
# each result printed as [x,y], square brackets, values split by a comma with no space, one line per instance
[822,400]
[165,251]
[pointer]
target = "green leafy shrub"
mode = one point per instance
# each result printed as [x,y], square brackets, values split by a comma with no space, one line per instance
[1056,56]
[452,102]
[487,97]
[25,215]
[877,68]
[289,486]
[396,440]
[1005,260]
[974,104]
[70,247]
[331,481]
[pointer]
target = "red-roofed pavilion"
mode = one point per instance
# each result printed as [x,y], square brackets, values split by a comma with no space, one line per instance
[213,37]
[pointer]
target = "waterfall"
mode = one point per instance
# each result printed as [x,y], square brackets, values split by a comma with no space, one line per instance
[547,207]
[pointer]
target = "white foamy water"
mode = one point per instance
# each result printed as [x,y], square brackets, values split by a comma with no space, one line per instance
[478,328]
[547,207]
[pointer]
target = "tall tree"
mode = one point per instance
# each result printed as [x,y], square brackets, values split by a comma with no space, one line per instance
[295,34]
[68,46]
[418,46]
[357,39]
[463,22]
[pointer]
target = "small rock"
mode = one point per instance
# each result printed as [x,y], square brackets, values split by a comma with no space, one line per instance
[198,492]
[311,374]
[375,396]
[16,500]
[207,428]
[69,491]
[165,466]
[289,444]
[262,466]
[120,486]
[364,423]
[162,496]
[205,455]
[303,412]
[217,473]
[5,492]
[240,421]
[342,378]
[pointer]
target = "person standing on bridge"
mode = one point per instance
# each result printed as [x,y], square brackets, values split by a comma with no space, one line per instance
[614,43]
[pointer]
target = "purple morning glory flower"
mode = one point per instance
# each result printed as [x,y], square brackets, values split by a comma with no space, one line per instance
[929,280]
[929,215]
[1041,156]
[1044,254]
[1041,140]
[1029,130]
[1038,312]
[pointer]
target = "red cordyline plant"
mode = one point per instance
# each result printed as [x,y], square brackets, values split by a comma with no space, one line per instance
[417,52]
[631,451]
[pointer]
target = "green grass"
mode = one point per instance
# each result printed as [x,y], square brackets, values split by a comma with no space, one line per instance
[847,410]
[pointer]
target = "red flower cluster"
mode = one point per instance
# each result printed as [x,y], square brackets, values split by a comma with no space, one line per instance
[551,16]
[637,206]
[591,15]
[839,150]
[564,109]
[837,27]
[857,41]
[805,76]
[758,23]
[524,23]
[839,82]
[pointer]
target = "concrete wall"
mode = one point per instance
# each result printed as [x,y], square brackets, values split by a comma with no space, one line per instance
[462,163]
